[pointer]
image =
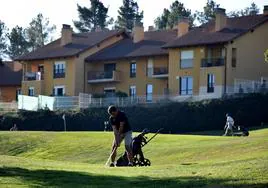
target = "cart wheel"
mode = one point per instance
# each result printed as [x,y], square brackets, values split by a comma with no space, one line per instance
[136,161]
[147,162]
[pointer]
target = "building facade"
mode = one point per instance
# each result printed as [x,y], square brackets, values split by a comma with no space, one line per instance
[211,59]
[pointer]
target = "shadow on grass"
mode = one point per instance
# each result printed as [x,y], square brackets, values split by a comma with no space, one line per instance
[54,178]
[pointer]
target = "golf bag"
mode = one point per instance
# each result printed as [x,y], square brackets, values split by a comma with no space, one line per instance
[137,144]
[242,131]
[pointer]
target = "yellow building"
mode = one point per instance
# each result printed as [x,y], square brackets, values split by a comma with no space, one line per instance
[10,81]
[212,58]
[206,60]
[58,68]
[137,65]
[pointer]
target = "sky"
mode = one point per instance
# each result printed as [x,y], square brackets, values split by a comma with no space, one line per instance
[21,12]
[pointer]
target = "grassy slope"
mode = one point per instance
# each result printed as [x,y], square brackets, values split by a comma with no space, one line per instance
[77,159]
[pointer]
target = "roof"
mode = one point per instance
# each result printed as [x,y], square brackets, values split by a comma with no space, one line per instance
[9,77]
[205,34]
[80,43]
[150,46]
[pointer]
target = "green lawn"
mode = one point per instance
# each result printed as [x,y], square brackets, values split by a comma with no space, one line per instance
[48,159]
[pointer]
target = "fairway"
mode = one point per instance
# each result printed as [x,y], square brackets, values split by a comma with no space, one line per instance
[76,159]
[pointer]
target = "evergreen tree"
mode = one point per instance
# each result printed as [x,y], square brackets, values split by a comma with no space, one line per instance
[170,18]
[92,18]
[128,14]
[18,44]
[3,44]
[39,32]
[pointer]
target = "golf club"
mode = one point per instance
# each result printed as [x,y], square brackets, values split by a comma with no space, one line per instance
[107,163]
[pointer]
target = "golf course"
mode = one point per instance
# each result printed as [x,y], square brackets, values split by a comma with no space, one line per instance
[77,159]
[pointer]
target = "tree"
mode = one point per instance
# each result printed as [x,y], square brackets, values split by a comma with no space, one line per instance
[266,56]
[251,10]
[169,18]
[92,18]
[128,14]
[3,44]
[161,22]
[39,32]
[208,12]
[18,43]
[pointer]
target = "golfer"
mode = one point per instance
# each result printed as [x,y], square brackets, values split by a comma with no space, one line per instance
[229,125]
[122,131]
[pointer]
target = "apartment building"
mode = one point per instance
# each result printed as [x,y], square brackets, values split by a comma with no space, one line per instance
[205,60]
[58,68]
[209,59]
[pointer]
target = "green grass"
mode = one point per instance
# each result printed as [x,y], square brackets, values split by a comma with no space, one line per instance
[48,159]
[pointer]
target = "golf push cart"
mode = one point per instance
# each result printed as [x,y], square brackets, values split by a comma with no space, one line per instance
[137,144]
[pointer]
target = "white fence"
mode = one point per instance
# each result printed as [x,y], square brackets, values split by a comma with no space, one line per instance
[249,86]
[46,102]
[87,101]
[8,107]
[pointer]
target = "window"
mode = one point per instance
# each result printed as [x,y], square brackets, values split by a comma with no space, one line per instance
[18,92]
[186,85]
[210,83]
[31,91]
[132,91]
[149,93]
[59,69]
[59,90]
[234,54]
[186,60]
[150,68]
[133,70]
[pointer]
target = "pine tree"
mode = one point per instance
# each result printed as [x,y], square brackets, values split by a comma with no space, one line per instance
[170,18]
[128,14]
[39,32]
[18,43]
[208,12]
[92,18]
[3,44]
[251,10]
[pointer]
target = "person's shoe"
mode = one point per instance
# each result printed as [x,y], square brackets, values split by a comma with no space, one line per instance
[112,165]
[130,164]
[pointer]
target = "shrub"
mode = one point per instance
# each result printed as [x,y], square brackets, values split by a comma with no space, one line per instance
[250,110]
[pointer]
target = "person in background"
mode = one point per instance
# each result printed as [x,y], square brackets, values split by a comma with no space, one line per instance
[14,128]
[229,125]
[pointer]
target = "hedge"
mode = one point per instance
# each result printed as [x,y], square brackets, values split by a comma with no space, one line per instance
[248,111]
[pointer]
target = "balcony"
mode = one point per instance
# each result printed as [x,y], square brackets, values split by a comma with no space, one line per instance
[160,72]
[212,62]
[33,76]
[59,73]
[103,76]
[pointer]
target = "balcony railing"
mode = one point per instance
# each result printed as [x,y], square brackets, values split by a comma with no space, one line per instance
[33,76]
[212,62]
[59,73]
[103,76]
[160,72]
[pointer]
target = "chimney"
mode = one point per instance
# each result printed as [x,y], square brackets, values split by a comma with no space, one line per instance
[138,32]
[151,28]
[98,29]
[183,26]
[265,10]
[221,19]
[66,34]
